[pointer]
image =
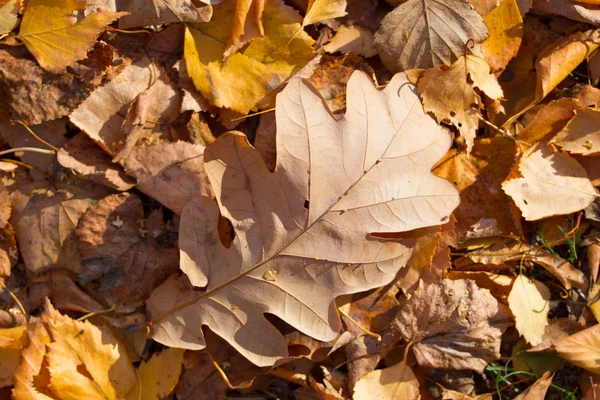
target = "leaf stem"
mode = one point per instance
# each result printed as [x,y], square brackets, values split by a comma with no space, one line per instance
[32,149]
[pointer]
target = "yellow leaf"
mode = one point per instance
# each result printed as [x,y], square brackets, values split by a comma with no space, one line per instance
[505,26]
[58,35]
[449,93]
[392,383]
[246,25]
[30,382]
[320,10]
[11,342]
[250,75]
[582,349]
[556,62]
[529,302]
[85,362]
[159,376]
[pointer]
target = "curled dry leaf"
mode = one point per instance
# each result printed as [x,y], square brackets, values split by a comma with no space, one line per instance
[529,301]
[428,33]
[549,184]
[449,93]
[308,224]
[61,38]
[248,76]
[157,12]
[582,349]
[538,390]
[393,383]
[129,259]
[453,324]
[581,134]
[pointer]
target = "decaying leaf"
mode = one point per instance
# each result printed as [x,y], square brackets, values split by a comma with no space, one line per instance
[250,75]
[308,224]
[581,134]
[549,184]
[397,382]
[449,93]
[128,255]
[57,35]
[156,12]
[428,33]
[582,349]
[453,324]
[529,301]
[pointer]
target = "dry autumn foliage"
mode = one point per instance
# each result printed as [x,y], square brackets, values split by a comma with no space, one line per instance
[322,199]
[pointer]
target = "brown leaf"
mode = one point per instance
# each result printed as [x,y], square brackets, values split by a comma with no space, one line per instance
[352,38]
[580,135]
[87,160]
[392,383]
[575,10]
[428,33]
[498,285]
[128,258]
[157,12]
[538,390]
[550,184]
[453,324]
[308,224]
[557,329]
[529,301]
[171,173]
[549,120]
[582,349]
[59,286]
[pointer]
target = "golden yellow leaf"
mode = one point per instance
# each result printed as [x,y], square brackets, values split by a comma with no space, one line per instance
[529,302]
[449,93]
[30,382]
[158,376]
[57,33]
[556,62]
[505,26]
[246,25]
[250,75]
[11,342]
[84,361]
[582,349]
[397,382]
[550,184]
[320,10]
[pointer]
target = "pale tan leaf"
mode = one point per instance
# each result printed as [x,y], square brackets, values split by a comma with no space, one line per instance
[353,38]
[9,15]
[397,382]
[538,390]
[449,94]
[550,184]
[581,135]
[320,10]
[156,12]
[454,325]
[582,349]
[529,301]
[428,33]
[303,234]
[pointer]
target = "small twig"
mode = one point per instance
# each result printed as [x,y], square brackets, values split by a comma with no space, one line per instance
[32,149]
[362,328]
[252,115]
[15,298]
[89,315]
[37,137]
[502,131]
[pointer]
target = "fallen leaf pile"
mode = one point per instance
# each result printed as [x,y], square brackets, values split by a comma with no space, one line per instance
[322,199]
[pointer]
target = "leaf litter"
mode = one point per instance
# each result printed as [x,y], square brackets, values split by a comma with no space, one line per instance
[425,228]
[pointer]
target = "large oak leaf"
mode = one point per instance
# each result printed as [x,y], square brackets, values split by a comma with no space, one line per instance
[305,233]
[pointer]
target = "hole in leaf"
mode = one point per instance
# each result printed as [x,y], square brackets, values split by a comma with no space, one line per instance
[226,232]
[306,204]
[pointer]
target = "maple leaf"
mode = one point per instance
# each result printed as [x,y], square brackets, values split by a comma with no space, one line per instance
[454,325]
[248,76]
[427,33]
[449,93]
[529,301]
[308,224]
[56,36]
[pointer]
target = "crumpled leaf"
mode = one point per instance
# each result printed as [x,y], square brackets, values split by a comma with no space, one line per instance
[397,382]
[156,12]
[306,224]
[549,184]
[557,61]
[538,390]
[581,134]
[453,324]
[9,15]
[78,346]
[428,33]
[449,94]
[12,341]
[250,75]
[529,301]
[158,376]
[582,349]
[60,38]
[129,259]
[505,26]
